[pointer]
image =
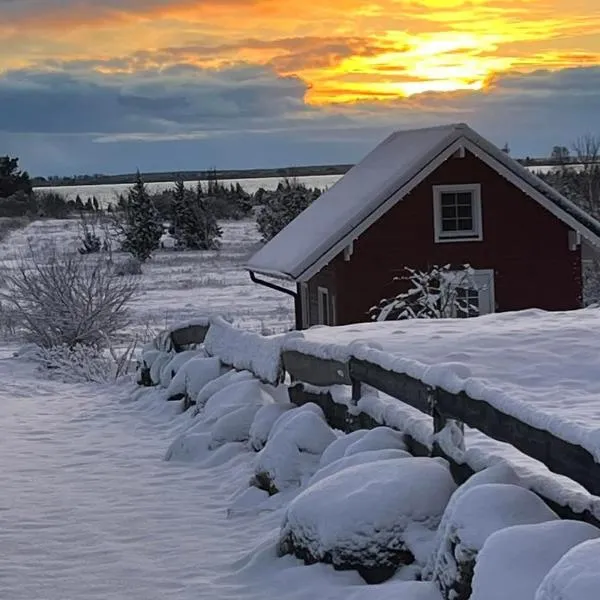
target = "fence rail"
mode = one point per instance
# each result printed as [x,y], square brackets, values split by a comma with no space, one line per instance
[560,456]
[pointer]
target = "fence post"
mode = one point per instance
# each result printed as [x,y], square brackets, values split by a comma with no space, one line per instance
[356,391]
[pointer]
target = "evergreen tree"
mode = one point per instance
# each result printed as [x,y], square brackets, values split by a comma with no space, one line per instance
[12,180]
[195,225]
[282,206]
[143,227]
[79,203]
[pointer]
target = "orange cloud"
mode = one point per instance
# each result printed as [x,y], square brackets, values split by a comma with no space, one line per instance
[345,50]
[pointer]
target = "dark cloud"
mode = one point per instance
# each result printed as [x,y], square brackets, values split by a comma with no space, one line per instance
[151,101]
[183,117]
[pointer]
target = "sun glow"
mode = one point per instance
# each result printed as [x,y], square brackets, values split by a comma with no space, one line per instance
[345,51]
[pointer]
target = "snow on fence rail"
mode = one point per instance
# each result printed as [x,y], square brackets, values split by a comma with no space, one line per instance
[313,373]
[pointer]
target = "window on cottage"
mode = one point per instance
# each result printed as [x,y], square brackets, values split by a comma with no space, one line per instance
[457,211]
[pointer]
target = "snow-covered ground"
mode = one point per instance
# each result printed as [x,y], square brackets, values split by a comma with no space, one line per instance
[180,286]
[90,508]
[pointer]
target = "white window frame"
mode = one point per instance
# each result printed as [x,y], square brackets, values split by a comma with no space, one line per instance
[305,304]
[484,280]
[323,293]
[473,235]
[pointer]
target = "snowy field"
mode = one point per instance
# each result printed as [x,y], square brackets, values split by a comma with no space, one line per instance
[180,286]
[110,492]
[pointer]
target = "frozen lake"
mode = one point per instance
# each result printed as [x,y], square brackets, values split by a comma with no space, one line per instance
[110,192]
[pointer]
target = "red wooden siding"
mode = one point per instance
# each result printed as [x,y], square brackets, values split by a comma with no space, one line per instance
[525,244]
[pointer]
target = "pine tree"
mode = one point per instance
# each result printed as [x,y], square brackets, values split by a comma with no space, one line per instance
[143,227]
[195,225]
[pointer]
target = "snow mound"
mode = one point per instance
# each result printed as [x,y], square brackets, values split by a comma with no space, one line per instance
[337,449]
[216,385]
[263,422]
[357,459]
[245,350]
[576,576]
[526,553]
[379,438]
[498,473]
[282,422]
[292,454]
[357,518]
[168,371]
[479,512]
[189,447]
[158,363]
[394,590]
[234,426]
[234,396]
[192,376]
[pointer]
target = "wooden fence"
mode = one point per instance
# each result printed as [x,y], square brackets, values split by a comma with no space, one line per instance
[307,372]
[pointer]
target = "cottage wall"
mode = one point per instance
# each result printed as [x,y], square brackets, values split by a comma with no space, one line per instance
[525,245]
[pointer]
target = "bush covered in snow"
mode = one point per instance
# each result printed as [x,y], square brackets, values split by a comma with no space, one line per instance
[364,517]
[576,576]
[292,452]
[476,514]
[263,423]
[433,294]
[526,553]
[67,299]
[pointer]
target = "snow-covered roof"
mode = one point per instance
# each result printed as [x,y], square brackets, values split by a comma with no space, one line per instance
[381,179]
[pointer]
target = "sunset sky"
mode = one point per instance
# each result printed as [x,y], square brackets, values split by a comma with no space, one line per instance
[115,85]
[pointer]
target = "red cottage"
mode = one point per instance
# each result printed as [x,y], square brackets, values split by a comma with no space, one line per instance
[442,195]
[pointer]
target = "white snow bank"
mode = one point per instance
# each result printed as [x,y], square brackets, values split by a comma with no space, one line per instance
[158,363]
[576,576]
[516,362]
[282,421]
[235,425]
[471,519]
[192,375]
[379,438]
[293,449]
[263,422]
[365,530]
[234,396]
[216,385]
[514,561]
[394,590]
[168,372]
[244,350]
[337,448]
[360,458]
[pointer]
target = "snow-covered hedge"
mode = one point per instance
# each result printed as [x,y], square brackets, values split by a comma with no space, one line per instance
[468,522]
[293,449]
[526,553]
[576,576]
[365,517]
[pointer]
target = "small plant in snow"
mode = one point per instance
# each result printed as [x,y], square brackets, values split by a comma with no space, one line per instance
[90,240]
[80,364]
[67,299]
[434,294]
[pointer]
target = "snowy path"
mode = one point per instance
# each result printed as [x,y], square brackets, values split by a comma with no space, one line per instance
[89,508]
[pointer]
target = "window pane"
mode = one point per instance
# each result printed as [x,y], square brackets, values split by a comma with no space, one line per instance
[464,212]
[465,225]
[449,225]
[448,199]
[464,198]
[449,212]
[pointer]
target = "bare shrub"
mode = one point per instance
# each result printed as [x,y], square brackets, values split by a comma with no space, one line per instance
[80,364]
[67,299]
